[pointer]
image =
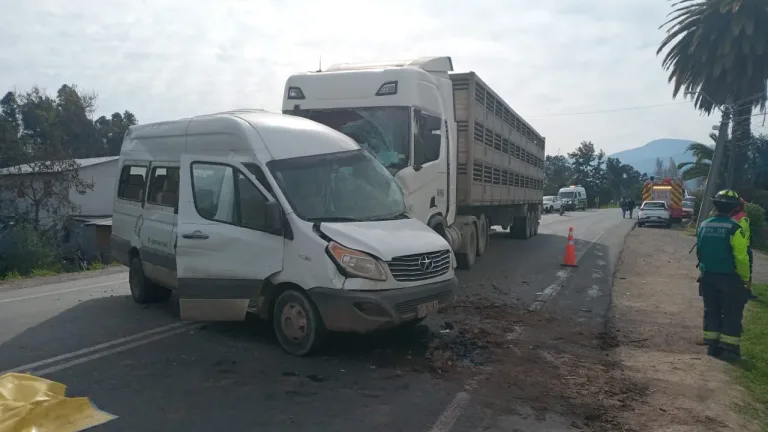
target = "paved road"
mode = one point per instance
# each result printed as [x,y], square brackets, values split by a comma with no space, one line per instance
[157,373]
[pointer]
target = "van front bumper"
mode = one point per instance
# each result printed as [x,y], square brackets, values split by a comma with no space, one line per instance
[368,311]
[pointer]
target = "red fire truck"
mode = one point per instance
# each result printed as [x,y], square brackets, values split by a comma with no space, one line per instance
[669,190]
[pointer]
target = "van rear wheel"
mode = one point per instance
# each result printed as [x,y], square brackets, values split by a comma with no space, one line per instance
[297,323]
[143,290]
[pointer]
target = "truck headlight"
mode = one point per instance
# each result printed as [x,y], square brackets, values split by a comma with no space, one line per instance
[355,263]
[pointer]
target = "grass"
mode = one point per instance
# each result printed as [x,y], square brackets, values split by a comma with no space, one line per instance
[54,270]
[753,376]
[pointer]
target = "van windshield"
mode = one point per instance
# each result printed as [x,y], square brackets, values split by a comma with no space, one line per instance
[567,195]
[384,131]
[338,187]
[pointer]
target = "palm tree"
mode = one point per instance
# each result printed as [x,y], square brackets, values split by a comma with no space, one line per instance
[718,49]
[703,155]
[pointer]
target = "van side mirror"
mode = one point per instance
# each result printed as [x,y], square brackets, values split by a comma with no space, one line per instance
[273,216]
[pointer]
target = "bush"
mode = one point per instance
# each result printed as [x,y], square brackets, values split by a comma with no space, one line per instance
[23,251]
[756,215]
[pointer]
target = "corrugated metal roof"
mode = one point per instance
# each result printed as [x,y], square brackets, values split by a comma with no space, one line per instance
[94,220]
[26,169]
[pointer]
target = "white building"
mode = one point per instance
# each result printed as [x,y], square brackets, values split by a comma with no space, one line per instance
[101,172]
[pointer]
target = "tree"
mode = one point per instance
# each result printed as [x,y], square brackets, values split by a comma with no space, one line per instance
[702,162]
[110,131]
[44,171]
[658,170]
[718,49]
[558,173]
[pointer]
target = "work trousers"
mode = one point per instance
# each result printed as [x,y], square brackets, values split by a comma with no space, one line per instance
[724,299]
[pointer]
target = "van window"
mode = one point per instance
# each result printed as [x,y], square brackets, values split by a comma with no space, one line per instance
[224,194]
[259,174]
[132,182]
[164,186]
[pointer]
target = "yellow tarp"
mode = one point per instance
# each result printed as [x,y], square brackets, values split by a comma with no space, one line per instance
[32,404]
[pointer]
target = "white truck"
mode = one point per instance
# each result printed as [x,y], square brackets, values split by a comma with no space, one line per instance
[464,159]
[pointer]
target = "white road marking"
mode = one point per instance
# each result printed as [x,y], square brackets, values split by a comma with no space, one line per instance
[561,277]
[593,292]
[597,274]
[62,291]
[118,349]
[451,413]
[48,361]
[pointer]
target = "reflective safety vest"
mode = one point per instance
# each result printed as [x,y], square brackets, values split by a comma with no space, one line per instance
[721,247]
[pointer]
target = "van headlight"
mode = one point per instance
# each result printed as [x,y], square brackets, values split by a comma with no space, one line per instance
[354,263]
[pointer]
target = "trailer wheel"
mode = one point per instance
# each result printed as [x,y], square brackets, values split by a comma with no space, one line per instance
[465,261]
[483,235]
[520,227]
[535,224]
[297,323]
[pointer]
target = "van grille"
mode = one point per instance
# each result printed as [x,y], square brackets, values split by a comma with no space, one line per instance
[408,268]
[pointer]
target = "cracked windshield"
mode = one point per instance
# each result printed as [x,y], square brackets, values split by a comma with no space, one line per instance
[384,131]
[416,216]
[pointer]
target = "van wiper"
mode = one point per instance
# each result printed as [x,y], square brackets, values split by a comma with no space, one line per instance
[332,219]
[396,216]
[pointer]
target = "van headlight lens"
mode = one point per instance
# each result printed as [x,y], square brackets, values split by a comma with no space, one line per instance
[356,263]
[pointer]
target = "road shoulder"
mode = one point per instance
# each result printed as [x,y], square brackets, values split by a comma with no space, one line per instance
[656,316]
[59,278]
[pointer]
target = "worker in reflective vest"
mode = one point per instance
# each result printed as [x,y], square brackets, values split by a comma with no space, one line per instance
[740,216]
[721,249]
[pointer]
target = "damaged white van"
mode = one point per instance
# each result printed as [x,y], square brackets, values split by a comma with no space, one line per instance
[277,215]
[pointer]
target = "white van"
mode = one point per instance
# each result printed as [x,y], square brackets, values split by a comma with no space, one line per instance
[573,197]
[277,215]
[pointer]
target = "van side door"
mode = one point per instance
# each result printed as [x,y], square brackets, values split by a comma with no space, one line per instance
[230,238]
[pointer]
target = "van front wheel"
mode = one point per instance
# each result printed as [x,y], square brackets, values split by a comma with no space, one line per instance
[298,326]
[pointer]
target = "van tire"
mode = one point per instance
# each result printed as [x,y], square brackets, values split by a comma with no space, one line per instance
[143,290]
[302,307]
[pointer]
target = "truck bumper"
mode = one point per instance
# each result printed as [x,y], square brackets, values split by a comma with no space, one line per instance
[369,311]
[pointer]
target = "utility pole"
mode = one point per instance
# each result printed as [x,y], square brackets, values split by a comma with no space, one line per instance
[716,166]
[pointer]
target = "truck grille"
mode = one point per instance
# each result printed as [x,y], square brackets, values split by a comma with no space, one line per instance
[418,267]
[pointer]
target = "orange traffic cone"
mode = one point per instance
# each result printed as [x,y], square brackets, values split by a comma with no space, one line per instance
[569,260]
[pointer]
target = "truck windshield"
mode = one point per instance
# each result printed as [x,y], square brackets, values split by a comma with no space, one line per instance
[339,187]
[384,131]
[566,195]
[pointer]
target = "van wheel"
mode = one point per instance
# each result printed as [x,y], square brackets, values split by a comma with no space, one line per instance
[483,235]
[144,290]
[465,261]
[297,323]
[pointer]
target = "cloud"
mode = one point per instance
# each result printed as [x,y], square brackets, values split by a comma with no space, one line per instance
[165,59]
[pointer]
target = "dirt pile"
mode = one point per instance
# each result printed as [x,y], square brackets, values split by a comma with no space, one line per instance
[550,364]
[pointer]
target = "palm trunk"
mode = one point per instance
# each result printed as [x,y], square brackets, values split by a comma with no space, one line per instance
[741,139]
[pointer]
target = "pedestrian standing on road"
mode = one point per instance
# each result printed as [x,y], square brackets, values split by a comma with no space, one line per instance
[721,249]
[630,206]
[741,218]
[623,205]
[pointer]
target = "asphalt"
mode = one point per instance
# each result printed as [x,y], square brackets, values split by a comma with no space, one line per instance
[158,374]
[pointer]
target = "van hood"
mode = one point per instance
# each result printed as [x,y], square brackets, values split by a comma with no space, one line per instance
[386,239]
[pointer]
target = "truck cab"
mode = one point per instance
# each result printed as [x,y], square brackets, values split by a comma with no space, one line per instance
[405,114]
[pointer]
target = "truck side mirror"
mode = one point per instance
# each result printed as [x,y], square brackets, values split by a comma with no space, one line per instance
[273,216]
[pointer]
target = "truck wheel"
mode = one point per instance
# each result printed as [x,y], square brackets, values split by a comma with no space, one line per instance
[144,290]
[520,228]
[483,235]
[535,224]
[297,323]
[465,261]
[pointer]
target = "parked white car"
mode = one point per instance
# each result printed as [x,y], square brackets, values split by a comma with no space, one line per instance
[654,213]
[552,203]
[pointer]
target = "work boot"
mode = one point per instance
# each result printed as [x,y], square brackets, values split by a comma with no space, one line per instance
[714,350]
[729,356]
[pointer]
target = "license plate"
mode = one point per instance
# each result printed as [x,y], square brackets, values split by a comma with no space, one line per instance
[425,309]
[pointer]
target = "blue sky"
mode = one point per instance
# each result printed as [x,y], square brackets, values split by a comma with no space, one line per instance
[165,59]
